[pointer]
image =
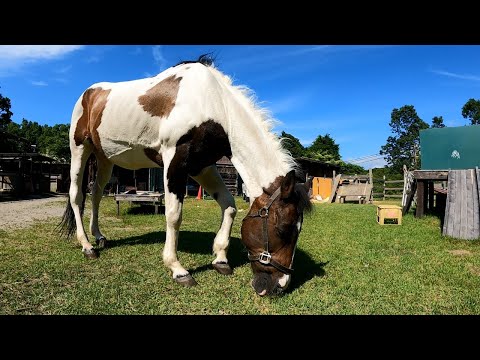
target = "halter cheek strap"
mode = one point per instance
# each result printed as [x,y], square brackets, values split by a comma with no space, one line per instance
[265,257]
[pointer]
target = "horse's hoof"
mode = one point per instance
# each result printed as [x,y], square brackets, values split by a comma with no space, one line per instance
[223,268]
[91,253]
[186,280]
[101,242]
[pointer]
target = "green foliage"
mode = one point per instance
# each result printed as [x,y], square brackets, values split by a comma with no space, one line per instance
[389,173]
[404,147]
[31,130]
[5,120]
[5,113]
[54,142]
[51,141]
[351,169]
[292,144]
[323,149]
[326,158]
[471,111]
[437,122]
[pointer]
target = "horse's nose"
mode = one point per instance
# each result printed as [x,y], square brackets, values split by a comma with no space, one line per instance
[262,283]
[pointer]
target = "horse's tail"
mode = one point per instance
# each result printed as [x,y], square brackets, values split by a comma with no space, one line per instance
[68,225]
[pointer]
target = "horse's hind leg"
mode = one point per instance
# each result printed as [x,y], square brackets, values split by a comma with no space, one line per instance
[212,182]
[104,172]
[80,155]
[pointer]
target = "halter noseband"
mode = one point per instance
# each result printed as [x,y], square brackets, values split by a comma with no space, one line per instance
[265,257]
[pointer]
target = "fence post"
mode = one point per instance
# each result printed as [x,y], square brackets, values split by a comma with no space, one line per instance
[383,187]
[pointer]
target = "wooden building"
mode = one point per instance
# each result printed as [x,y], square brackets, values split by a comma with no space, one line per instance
[316,168]
[25,173]
[152,179]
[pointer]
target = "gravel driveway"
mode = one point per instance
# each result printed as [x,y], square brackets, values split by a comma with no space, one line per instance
[23,213]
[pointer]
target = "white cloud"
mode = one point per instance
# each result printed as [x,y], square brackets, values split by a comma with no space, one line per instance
[457,76]
[158,57]
[288,103]
[310,49]
[39,83]
[35,52]
[15,57]
[64,69]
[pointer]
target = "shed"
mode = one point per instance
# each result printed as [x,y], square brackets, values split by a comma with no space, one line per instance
[317,168]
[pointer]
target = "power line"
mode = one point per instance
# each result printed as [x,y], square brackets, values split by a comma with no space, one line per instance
[369,160]
[366,158]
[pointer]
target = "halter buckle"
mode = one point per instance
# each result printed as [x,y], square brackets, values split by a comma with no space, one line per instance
[264,258]
[263,212]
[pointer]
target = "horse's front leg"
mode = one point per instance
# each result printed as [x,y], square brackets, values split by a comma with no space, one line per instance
[175,181]
[211,180]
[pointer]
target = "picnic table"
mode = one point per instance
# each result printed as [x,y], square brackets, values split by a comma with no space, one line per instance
[144,198]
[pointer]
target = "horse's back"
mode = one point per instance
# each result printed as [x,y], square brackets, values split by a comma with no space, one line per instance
[128,117]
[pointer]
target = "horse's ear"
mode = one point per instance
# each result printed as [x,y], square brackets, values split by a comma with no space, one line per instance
[288,185]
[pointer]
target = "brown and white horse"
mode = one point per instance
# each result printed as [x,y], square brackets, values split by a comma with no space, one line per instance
[184,120]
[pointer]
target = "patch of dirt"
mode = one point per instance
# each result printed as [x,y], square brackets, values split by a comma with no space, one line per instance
[475,270]
[460,252]
[24,213]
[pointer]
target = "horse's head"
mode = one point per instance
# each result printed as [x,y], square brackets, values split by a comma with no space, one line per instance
[270,233]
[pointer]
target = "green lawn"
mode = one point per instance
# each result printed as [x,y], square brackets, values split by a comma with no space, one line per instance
[345,264]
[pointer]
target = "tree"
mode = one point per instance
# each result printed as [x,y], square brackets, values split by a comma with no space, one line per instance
[12,144]
[404,147]
[5,113]
[351,169]
[324,149]
[5,119]
[437,122]
[471,111]
[31,130]
[292,144]
[54,142]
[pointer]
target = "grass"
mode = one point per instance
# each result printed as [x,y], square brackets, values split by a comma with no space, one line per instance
[345,263]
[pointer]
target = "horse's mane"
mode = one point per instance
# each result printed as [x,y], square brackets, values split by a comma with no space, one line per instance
[248,99]
[304,203]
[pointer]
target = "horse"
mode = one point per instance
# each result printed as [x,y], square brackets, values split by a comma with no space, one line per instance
[185,119]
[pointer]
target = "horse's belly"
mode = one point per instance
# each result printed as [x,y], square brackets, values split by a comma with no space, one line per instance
[125,155]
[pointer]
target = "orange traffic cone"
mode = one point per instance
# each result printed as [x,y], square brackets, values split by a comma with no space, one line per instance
[199,195]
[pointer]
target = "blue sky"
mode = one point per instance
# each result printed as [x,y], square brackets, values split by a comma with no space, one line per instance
[347,91]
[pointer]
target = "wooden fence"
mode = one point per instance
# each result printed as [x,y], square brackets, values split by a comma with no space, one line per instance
[387,189]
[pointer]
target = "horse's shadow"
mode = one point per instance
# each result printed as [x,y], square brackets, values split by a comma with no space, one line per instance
[197,242]
[305,269]
[193,242]
[144,210]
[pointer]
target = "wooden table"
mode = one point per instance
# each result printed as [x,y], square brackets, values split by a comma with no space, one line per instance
[155,199]
[425,193]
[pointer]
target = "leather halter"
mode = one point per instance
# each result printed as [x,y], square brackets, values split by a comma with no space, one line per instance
[265,257]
